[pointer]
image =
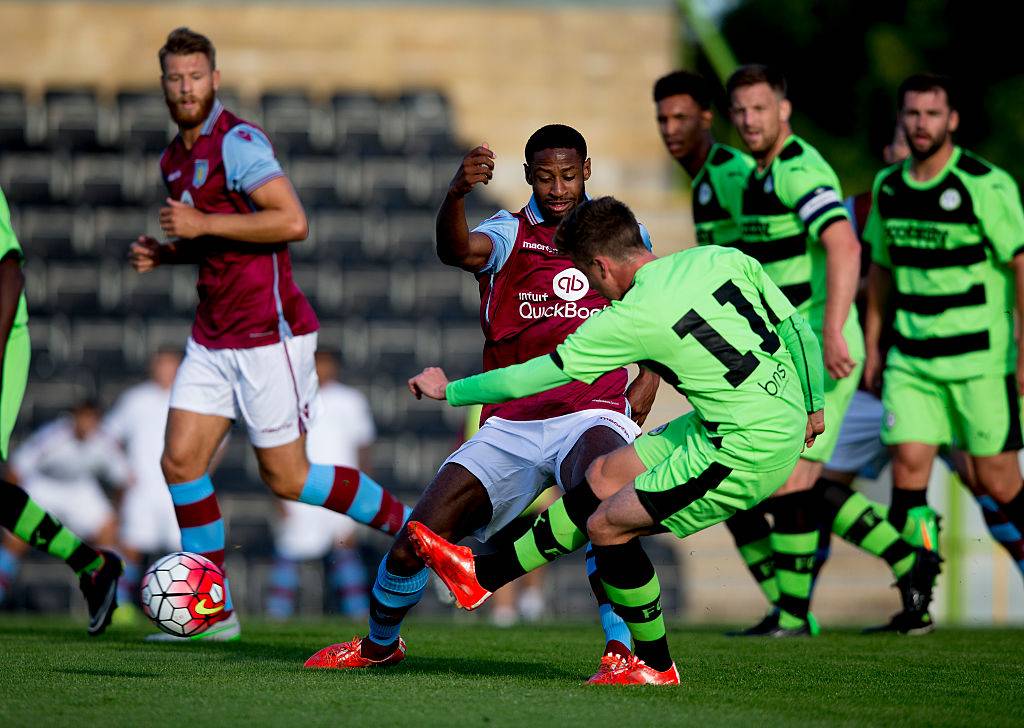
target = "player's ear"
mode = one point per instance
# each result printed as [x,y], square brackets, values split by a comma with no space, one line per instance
[954,121]
[528,174]
[216,79]
[785,109]
[586,169]
[705,119]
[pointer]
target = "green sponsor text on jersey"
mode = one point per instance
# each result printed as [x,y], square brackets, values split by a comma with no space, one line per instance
[718,194]
[948,243]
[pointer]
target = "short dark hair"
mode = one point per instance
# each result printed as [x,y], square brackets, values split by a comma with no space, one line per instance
[555,136]
[184,42]
[602,226]
[684,83]
[756,73]
[924,82]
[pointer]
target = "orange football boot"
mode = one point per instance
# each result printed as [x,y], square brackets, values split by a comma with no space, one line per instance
[453,564]
[609,663]
[348,656]
[634,671]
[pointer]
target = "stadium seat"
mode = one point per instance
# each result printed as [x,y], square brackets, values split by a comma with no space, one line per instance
[150,295]
[13,119]
[315,179]
[74,120]
[143,123]
[47,400]
[116,228]
[100,179]
[32,177]
[294,123]
[427,123]
[148,186]
[167,333]
[395,182]
[102,344]
[340,234]
[361,126]
[367,292]
[49,232]
[463,346]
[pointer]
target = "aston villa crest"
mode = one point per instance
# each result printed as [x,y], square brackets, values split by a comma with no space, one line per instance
[200,172]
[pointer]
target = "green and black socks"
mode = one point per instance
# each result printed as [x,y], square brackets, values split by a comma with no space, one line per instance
[635,594]
[794,542]
[23,517]
[862,523]
[559,530]
[752,533]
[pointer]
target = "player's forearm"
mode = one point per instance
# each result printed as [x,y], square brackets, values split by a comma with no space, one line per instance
[265,226]
[500,385]
[842,272]
[12,283]
[803,346]
[642,391]
[452,231]
[879,288]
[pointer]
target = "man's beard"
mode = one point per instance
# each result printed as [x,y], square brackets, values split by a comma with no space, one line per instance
[190,121]
[927,153]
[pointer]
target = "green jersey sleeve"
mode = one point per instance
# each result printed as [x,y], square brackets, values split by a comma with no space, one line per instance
[8,240]
[811,189]
[512,382]
[1000,214]
[604,342]
[874,230]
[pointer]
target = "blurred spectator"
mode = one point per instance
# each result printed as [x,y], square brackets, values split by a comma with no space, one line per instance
[60,466]
[341,435]
[137,421]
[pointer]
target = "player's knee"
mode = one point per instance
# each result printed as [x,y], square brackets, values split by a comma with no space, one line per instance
[599,477]
[999,483]
[178,468]
[599,528]
[282,484]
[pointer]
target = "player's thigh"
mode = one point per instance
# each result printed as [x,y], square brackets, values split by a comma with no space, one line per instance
[691,490]
[987,412]
[593,435]
[507,459]
[13,379]
[916,410]
[621,518]
[277,390]
[839,393]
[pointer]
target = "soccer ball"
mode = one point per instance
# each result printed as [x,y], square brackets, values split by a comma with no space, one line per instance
[183,593]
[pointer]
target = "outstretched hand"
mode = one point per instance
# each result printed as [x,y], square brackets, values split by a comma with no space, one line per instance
[431,382]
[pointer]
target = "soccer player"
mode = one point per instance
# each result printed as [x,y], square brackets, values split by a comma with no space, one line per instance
[148,526]
[97,570]
[232,211]
[794,223]
[531,298]
[718,172]
[343,435]
[712,324]
[946,229]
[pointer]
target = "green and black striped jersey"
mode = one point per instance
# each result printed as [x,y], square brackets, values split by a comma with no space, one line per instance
[718,194]
[948,242]
[784,211]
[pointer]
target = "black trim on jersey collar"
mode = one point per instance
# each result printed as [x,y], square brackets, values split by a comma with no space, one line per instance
[931,258]
[969,164]
[934,347]
[721,155]
[772,251]
[792,150]
[935,305]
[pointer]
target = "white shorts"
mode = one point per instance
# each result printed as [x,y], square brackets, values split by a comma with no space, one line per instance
[859,448]
[272,388]
[82,507]
[148,523]
[517,460]
[307,532]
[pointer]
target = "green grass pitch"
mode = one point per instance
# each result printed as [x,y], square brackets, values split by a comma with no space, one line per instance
[461,674]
